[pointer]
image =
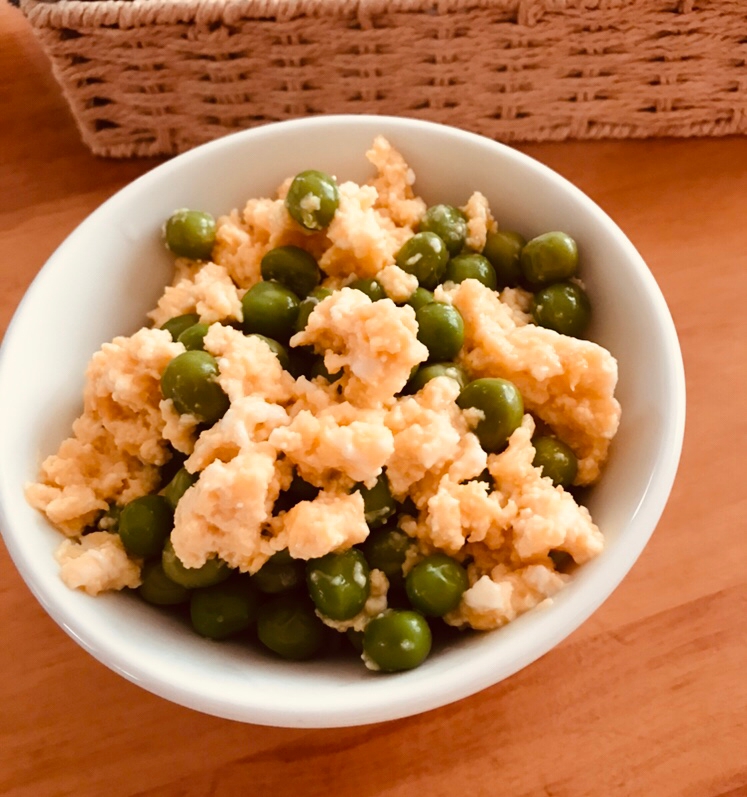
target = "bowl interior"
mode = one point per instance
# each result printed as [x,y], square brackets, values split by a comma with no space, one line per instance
[112,269]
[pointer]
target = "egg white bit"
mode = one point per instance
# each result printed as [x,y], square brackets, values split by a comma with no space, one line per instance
[309,205]
[369,662]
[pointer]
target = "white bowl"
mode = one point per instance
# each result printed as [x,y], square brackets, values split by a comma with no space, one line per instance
[111,270]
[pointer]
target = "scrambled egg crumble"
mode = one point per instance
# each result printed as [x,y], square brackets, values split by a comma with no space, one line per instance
[494,512]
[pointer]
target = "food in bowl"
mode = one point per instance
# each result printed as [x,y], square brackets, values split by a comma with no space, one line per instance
[336,408]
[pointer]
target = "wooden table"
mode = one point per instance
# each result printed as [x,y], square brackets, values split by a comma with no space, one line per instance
[647,698]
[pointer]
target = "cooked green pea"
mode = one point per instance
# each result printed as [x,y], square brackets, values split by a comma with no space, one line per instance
[440,330]
[425,373]
[397,640]
[169,469]
[190,381]
[288,626]
[224,610]
[564,307]
[503,250]
[385,550]
[471,266]
[371,287]
[158,588]
[212,572]
[425,255]
[280,573]
[378,504]
[193,338]
[556,459]
[307,306]
[292,267]
[270,309]
[301,490]
[338,583]
[356,639]
[190,233]
[408,507]
[312,199]
[302,360]
[420,297]
[486,478]
[436,585]
[502,407]
[176,325]
[318,368]
[276,348]
[448,223]
[144,525]
[548,258]
[562,560]
[179,485]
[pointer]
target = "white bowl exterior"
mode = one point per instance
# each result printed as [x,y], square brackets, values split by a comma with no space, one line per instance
[111,270]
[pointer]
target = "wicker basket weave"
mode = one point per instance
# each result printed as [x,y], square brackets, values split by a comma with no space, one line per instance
[147,77]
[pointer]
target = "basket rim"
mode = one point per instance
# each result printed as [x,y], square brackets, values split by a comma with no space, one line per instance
[142,13]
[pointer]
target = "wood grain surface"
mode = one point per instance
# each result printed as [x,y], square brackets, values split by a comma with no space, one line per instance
[647,698]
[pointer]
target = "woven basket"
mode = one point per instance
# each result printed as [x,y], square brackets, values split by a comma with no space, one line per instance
[153,77]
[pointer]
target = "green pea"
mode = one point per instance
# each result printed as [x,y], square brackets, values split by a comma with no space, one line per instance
[170,468]
[190,233]
[386,549]
[440,330]
[425,373]
[277,349]
[486,478]
[270,309]
[301,490]
[448,223]
[371,287]
[550,257]
[408,507]
[436,585]
[288,626]
[339,583]
[397,640]
[307,306]
[503,250]
[193,338]
[313,199]
[224,610]
[420,297]
[378,504]
[561,560]
[302,360]
[557,460]
[356,639]
[145,524]
[471,266]
[179,485]
[157,588]
[280,573]
[425,255]
[318,368]
[176,325]
[190,381]
[292,267]
[564,307]
[502,407]
[212,572]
